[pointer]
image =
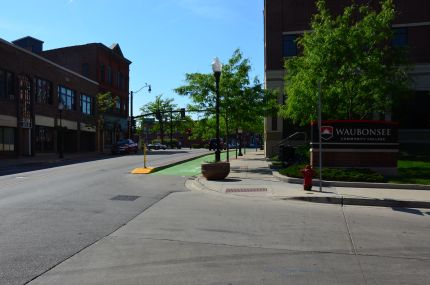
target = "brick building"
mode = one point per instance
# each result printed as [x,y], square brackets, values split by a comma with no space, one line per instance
[285,20]
[108,67]
[31,88]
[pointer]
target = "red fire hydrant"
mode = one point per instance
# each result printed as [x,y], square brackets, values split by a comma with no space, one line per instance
[308,173]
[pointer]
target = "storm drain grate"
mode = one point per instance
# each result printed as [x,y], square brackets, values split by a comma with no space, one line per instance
[235,190]
[125,198]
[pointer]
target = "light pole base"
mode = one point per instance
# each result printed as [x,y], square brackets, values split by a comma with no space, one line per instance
[217,156]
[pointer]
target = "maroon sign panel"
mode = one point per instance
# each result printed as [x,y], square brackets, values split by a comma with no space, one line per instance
[357,133]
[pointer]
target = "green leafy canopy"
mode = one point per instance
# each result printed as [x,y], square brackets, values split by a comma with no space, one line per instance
[352,57]
[242,101]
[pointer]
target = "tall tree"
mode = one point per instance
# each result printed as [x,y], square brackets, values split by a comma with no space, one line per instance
[241,98]
[104,103]
[162,107]
[352,58]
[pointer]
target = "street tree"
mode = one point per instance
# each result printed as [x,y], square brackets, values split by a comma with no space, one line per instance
[352,58]
[241,102]
[161,108]
[104,103]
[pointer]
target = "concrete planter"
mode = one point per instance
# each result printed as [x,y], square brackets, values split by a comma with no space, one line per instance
[216,170]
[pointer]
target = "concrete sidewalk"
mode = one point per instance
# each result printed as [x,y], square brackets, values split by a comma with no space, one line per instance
[250,175]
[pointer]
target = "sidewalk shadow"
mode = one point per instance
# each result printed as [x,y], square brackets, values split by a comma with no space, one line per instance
[408,210]
[260,170]
[232,180]
[39,165]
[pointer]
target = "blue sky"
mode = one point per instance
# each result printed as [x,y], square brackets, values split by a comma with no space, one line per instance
[163,38]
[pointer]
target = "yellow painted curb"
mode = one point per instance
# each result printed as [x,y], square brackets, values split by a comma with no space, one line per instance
[146,170]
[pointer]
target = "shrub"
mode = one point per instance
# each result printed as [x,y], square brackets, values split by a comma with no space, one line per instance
[293,171]
[274,158]
[337,174]
[302,154]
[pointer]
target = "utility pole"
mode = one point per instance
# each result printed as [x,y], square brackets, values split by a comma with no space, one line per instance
[131,116]
[319,133]
[171,128]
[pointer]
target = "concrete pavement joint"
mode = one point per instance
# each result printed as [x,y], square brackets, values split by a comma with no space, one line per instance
[285,250]
[239,246]
[351,240]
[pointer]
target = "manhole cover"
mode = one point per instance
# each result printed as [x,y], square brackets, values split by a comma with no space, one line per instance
[235,190]
[125,198]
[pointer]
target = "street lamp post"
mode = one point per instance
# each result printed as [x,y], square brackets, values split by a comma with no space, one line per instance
[60,109]
[130,131]
[216,68]
[171,128]
[240,142]
[319,133]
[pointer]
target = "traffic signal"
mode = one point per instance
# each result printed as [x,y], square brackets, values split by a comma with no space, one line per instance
[182,113]
[158,115]
[132,125]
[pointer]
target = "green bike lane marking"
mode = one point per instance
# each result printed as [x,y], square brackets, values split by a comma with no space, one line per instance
[192,167]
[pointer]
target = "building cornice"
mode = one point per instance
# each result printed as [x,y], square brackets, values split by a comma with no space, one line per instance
[46,60]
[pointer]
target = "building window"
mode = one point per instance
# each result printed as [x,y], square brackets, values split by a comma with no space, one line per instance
[109,75]
[43,91]
[87,104]
[67,97]
[400,37]
[7,139]
[44,139]
[102,73]
[121,81]
[118,104]
[85,69]
[289,45]
[7,86]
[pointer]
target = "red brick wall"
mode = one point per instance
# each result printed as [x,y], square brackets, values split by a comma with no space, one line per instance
[23,63]
[95,55]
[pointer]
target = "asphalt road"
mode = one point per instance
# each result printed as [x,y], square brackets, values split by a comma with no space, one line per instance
[51,214]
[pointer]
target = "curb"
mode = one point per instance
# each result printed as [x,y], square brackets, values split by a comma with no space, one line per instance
[337,200]
[201,186]
[352,184]
[161,167]
[363,202]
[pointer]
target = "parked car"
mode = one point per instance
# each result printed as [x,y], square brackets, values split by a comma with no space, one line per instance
[156,146]
[213,144]
[233,145]
[124,146]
